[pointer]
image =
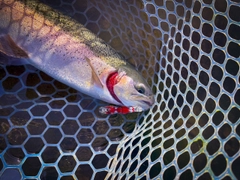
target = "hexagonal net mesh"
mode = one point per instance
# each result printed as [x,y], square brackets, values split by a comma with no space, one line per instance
[189,53]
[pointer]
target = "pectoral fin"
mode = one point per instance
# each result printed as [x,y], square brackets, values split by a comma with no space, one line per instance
[10,48]
[95,76]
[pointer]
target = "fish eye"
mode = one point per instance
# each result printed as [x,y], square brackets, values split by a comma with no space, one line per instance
[140,89]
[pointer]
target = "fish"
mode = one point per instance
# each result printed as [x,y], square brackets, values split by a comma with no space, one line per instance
[64,49]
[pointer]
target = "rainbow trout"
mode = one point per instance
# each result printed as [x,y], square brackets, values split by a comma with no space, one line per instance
[67,51]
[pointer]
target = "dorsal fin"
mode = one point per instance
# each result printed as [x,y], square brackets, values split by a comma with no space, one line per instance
[10,48]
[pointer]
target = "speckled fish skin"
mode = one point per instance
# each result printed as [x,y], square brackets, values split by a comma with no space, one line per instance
[59,46]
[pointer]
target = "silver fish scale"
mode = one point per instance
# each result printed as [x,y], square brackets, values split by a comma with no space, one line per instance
[189,53]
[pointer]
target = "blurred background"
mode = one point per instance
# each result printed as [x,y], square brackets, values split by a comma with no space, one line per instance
[187,50]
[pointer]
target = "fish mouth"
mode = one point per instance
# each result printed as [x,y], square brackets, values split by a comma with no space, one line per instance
[146,101]
[149,103]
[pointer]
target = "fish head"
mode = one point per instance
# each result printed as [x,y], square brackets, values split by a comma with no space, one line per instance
[131,89]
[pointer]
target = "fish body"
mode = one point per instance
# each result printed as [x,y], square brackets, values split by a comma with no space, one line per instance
[67,51]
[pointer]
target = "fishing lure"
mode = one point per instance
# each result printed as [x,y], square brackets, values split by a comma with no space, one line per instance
[119,110]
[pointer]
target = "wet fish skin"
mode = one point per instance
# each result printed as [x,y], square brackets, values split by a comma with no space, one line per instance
[59,46]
